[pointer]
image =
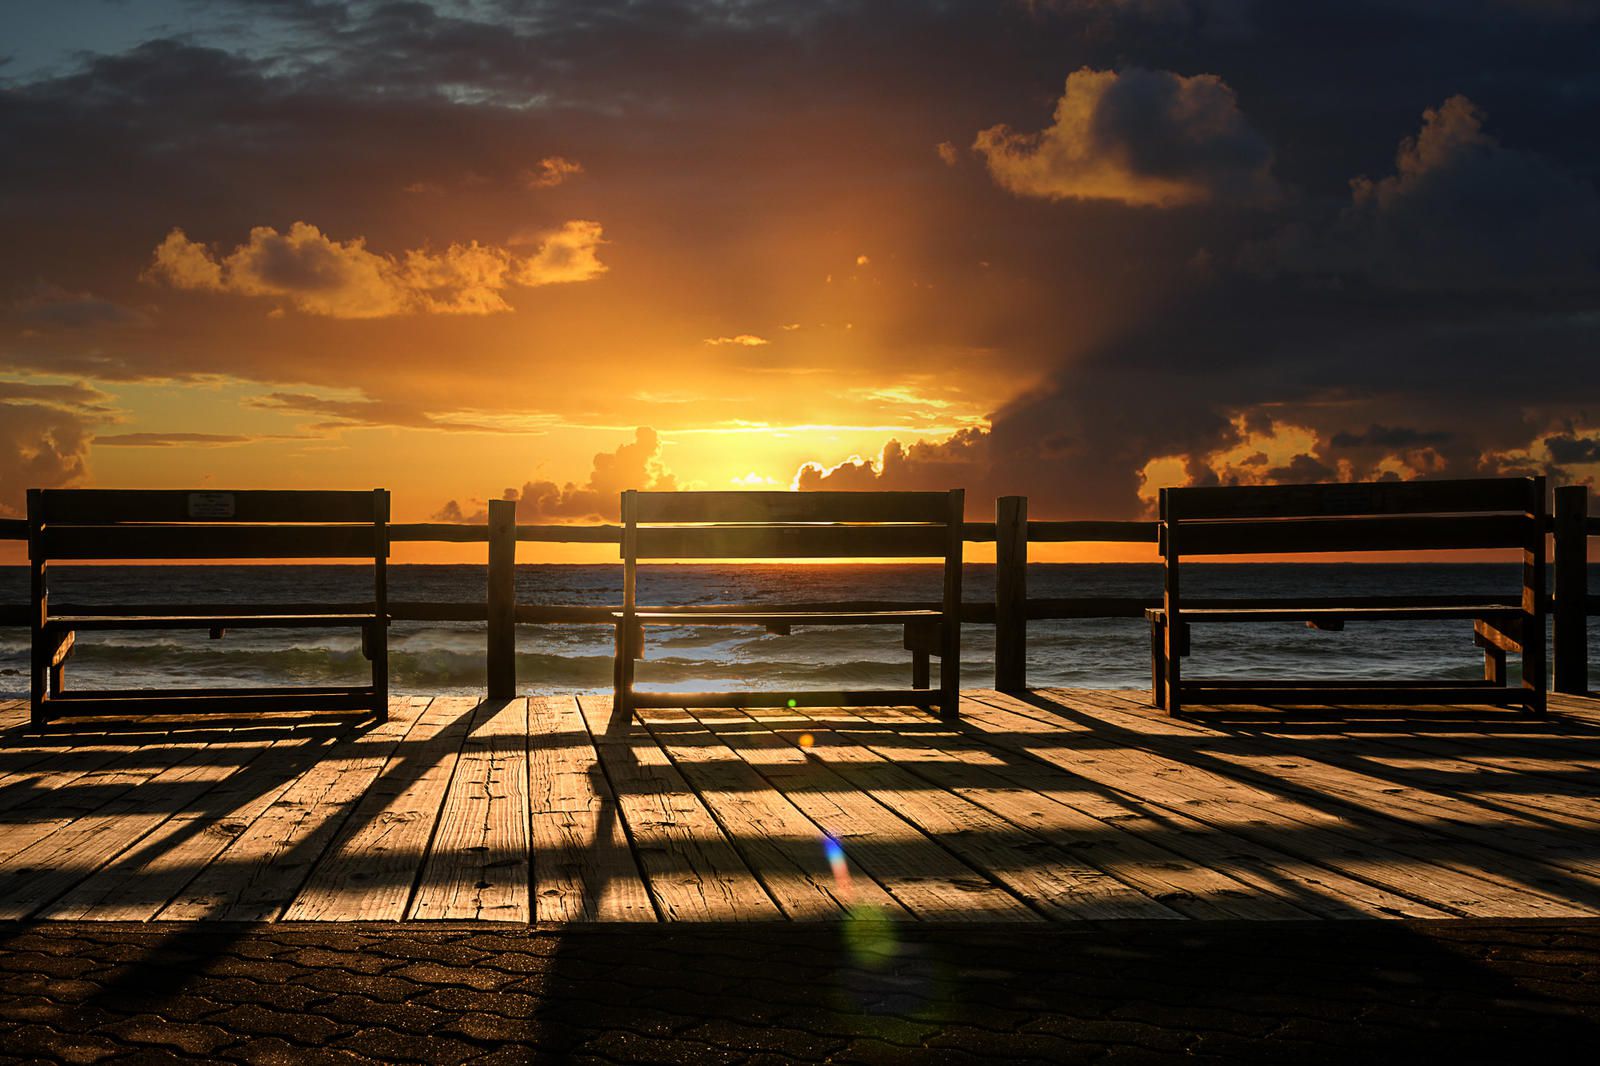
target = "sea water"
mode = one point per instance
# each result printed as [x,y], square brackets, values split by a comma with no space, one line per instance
[448,657]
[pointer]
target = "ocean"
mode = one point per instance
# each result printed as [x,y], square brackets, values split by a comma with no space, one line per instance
[448,657]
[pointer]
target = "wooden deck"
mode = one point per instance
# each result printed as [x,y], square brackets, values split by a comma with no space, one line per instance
[1058,806]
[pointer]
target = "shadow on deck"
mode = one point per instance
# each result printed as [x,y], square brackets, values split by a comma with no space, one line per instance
[1054,806]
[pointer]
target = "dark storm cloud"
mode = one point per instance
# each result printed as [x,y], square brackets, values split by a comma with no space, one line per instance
[1388,437]
[1460,211]
[1570,449]
[1140,137]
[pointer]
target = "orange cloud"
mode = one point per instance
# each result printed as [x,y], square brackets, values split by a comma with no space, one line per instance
[44,436]
[551,171]
[636,465]
[343,279]
[960,461]
[744,340]
[1140,137]
[568,254]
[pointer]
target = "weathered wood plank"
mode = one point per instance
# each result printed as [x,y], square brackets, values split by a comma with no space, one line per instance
[1491,838]
[136,884]
[72,784]
[1039,799]
[1049,877]
[180,774]
[480,865]
[1313,887]
[368,873]
[1545,766]
[583,868]
[258,874]
[1387,856]
[1383,851]
[929,881]
[691,869]
[785,849]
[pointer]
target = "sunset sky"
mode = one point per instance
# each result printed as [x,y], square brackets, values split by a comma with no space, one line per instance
[1074,249]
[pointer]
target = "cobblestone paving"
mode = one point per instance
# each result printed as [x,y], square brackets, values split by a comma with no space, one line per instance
[859,992]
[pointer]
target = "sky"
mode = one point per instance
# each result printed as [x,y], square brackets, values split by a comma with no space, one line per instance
[1076,250]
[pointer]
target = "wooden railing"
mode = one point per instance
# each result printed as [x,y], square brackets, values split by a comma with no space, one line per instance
[1009,612]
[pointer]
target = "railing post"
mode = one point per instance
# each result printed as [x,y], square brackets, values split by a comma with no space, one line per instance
[502,595]
[1011,593]
[1572,589]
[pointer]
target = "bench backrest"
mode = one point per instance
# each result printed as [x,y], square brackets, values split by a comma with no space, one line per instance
[792,525]
[175,524]
[788,525]
[1358,517]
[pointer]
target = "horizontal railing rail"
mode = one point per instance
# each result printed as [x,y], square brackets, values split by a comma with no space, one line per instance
[1009,612]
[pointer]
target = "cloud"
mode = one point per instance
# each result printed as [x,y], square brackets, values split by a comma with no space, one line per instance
[347,413]
[744,340]
[1376,436]
[1460,212]
[566,255]
[1147,138]
[1573,448]
[343,279]
[168,440]
[44,437]
[636,465]
[551,171]
[960,461]
[70,396]
[948,153]
[53,306]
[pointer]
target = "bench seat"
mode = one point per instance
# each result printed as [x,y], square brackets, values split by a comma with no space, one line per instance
[1290,612]
[209,621]
[217,700]
[798,618]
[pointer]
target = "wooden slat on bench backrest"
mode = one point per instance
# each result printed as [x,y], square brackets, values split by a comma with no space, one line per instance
[1311,535]
[1367,498]
[211,542]
[789,541]
[779,507]
[96,506]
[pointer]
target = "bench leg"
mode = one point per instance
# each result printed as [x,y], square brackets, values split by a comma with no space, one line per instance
[921,672]
[37,692]
[375,646]
[622,680]
[1494,665]
[1158,666]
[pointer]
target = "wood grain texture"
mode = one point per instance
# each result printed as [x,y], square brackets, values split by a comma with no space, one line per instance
[785,849]
[583,867]
[480,865]
[368,872]
[260,871]
[1057,805]
[693,871]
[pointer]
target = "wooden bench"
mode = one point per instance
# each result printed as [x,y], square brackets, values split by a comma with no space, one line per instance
[1363,517]
[114,525]
[796,525]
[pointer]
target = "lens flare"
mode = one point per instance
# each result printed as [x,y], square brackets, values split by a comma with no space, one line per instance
[806,740]
[870,937]
[841,869]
